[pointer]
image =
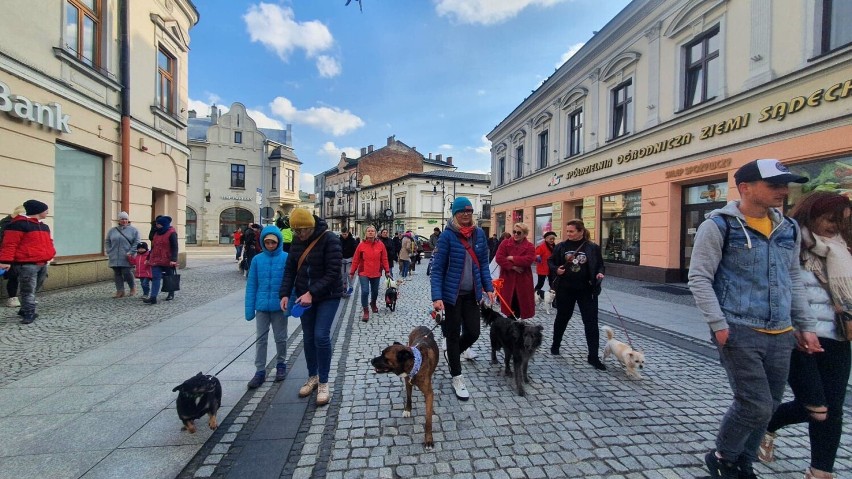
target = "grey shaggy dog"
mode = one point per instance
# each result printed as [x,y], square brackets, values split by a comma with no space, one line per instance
[519,340]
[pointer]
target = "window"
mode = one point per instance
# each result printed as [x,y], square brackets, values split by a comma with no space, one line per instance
[83,30]
[274,179]
[501,223]
[78,204]
[519,162]
[291,180]
[238,176]
[836,27]
[369,214]
[238,137]
[701,78]
[542,150]
[620,221]
[191,226]
[400,204]
[575,133]
[543,222]
[621,101]
[165,81]
[501,168]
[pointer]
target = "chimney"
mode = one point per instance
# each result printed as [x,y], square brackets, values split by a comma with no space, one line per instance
[391,140]
[370,149]
[363,151]
[439,157]
[450,160]
[192,113]
[214,114]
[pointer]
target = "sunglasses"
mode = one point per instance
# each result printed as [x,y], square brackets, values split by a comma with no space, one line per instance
[299,231]
[517,232]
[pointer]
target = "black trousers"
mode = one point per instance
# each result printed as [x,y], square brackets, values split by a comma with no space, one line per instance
[460,328]
[540,283]
[818,380]
[588,303]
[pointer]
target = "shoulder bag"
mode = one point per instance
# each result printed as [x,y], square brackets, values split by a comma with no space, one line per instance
[842,319]
[308,250]
[171,282]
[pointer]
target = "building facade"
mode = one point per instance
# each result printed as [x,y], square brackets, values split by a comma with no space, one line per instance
[238,174]
[640,132]
[75,138]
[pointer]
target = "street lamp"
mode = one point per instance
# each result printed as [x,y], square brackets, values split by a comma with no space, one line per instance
[447,198]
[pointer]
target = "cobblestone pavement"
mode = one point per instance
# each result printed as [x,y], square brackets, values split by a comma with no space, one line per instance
[77,319]
[574,422]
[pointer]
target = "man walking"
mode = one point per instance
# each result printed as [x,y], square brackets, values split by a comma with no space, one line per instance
[744,275]
[347,245]
[27,247]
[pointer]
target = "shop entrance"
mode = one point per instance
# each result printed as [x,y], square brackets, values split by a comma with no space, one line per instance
[698,201]
[230,220]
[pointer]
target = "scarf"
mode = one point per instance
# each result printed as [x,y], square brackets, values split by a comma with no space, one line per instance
[829,260]
[466,231]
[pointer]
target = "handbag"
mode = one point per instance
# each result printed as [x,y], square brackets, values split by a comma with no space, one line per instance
[171,282]
[843,325]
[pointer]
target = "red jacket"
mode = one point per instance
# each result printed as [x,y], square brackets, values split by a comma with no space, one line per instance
[143,270]
[515,283]
[370,258]
[26,240]
[238,236]
[544,251]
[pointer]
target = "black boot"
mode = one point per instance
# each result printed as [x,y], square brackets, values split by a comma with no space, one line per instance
[151,300]
[596,362]
[170,297]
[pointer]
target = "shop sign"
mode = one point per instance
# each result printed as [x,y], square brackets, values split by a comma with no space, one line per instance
[699,168]
[19,106]
[589,201]
[237,198]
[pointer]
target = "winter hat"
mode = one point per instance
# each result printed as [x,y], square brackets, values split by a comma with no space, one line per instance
[34,207]
[461,204]
[123,216]
[302,218]
[142,245]
[549,233]
[768,170]
[164,221]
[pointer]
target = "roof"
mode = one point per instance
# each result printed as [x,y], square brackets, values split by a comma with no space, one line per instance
[197,131]
[453,175]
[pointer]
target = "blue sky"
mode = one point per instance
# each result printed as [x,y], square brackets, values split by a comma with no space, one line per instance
[438,74]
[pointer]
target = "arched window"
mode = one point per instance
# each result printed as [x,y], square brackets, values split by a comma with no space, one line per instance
[230,220]
[191,226]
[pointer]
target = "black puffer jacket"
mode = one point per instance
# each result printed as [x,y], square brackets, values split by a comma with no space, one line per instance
[320,273]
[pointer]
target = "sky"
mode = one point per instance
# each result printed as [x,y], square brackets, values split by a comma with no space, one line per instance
[437,74]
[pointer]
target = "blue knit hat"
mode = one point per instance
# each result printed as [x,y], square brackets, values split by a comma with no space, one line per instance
[460,204]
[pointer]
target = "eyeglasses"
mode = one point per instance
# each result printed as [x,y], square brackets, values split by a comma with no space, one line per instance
[517,232]
[465,212]
[299,231]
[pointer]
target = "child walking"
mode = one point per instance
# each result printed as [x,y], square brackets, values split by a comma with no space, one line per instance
[142,269]
[263,282]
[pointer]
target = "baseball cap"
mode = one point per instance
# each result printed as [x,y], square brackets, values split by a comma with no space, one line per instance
[769,170]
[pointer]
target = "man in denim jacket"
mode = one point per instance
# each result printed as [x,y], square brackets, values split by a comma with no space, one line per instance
[744,275]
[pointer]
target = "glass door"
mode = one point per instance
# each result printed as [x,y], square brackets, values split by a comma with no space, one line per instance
[698,202]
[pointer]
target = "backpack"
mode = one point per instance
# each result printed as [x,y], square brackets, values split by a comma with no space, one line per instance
[3,224]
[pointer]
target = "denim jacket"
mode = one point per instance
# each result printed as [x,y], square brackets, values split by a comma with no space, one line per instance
[737,275]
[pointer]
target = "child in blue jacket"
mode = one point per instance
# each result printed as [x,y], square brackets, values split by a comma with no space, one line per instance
[264,280]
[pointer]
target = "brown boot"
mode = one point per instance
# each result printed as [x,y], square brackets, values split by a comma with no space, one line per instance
[374,307]
[118,294]
[366,316]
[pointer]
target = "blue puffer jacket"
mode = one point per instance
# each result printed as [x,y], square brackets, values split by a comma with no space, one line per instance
[264,277]
[449,260]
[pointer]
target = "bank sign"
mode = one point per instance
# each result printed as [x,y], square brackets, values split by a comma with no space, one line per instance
[18,106]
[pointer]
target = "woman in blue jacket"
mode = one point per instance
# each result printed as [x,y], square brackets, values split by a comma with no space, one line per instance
[264,281]
[459,276]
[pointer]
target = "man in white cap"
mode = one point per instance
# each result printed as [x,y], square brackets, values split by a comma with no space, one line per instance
[28,247]
[744,275]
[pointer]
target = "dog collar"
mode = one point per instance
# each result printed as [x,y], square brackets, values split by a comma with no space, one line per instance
[418,360]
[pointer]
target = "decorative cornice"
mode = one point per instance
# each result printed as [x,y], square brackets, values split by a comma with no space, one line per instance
[693,10]
[577,94]
[542,119]
[619,63]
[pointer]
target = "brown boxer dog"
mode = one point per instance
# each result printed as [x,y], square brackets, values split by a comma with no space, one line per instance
[416,364]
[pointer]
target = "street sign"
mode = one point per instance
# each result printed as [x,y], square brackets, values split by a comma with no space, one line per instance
[258,198]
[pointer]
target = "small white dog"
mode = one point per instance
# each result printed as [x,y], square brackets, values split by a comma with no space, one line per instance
[632,359]
[545,300]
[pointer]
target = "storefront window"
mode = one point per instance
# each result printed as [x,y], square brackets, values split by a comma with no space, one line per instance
[517,216]
[501,223]
[701,194]
[826,175]
[620,222]
[78,204]
[230,220]
[543,223]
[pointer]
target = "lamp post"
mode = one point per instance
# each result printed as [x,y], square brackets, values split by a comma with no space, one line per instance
[446,198]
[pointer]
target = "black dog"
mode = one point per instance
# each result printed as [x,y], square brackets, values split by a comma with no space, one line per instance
[391,294]
[199,395]
[519,340]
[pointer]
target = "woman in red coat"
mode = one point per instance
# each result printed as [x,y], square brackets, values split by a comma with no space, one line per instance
[542,254]
[515,257]
[369,261]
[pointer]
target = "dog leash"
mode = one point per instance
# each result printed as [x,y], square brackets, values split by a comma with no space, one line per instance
[498,285]
[244,350]
[617,315]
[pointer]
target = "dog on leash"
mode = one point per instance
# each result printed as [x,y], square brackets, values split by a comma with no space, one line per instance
[519,340]
[631,359]
[546,299]
[197,396]
[391,294]
[415,363]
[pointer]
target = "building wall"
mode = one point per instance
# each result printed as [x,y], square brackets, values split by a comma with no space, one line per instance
[36,64]
[769,62]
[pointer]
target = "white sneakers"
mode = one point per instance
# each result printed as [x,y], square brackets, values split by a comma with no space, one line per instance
[469,354]
[13,302]
[459,388]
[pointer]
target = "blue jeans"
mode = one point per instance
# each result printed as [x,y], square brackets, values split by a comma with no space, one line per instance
[757,365]
[158,272]
[239,249]
[146,285]
[405,265]
[369,286]
[278,321]
[316,331]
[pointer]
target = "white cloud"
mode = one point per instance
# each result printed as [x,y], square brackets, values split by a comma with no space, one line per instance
[445,146]
[332,151]
[306,182]
[573,49]
[276,28]
[328,119]
[483,149]
[327,66]
[202,108]
[486,12]
[264,121]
